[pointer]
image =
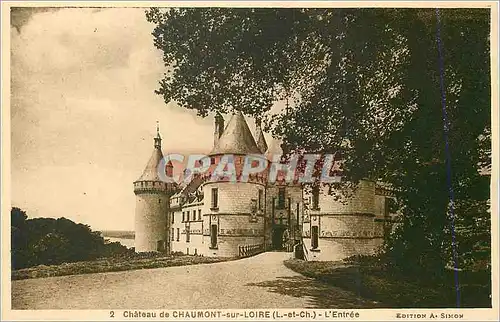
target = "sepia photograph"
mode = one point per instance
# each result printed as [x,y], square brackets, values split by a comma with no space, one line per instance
[250,161]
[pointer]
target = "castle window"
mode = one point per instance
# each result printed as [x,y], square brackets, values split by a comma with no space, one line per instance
[194,214]
[173,217]
[215,198]
[261,193]
[188,236]
[199,214]
[213,236]
[183,217]
[172,235]
[178,234]
[281,198]
[159,200]
[314,237]
[315,197]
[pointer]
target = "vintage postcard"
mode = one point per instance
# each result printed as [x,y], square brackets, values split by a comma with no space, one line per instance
[291,161]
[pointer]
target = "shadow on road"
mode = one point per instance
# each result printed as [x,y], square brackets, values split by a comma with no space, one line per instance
[321,295]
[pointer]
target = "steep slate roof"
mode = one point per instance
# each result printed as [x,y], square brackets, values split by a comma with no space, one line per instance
[150,173]
[261,141]
[236,138]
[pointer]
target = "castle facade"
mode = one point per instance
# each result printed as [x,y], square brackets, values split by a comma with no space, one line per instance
[223,218]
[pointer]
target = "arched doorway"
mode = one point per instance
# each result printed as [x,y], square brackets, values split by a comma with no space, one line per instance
[277,237]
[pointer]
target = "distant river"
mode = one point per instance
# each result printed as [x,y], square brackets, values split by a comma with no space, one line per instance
[124,241]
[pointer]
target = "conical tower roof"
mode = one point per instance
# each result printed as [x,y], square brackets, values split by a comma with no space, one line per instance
[150,173]
[259,136]
[236,138]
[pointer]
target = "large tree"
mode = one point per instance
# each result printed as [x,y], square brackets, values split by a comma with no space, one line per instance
[403,94]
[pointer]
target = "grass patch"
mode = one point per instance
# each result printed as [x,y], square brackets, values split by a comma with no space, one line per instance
[113,265]
[395,290]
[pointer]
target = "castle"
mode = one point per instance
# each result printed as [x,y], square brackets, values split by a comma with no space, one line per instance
[237,219]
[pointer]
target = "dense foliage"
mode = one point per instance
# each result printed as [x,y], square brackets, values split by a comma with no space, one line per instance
[51,241]
[403,94]
[367,278]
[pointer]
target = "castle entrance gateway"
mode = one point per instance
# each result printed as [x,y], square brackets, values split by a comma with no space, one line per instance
[280,237]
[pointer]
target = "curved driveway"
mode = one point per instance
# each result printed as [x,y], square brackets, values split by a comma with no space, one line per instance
[261,281]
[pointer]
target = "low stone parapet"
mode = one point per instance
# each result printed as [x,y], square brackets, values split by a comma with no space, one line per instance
[250,250]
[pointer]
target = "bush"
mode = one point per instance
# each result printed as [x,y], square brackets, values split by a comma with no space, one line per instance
[51,241]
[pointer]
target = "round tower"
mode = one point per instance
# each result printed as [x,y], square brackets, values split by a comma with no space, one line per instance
[234,211]
[152,204]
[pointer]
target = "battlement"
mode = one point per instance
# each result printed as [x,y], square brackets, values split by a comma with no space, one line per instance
[153,187]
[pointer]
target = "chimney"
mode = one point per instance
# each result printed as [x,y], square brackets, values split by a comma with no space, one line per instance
[219,127]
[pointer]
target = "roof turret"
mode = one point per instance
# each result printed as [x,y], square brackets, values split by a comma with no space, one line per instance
[236,138]
[259,136]
[150,173]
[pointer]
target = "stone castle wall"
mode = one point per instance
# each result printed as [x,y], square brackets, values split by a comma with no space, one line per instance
[346,227]
[236,225]
[150,221]
[187,230]
[362,200]
[233,197]
[339,248]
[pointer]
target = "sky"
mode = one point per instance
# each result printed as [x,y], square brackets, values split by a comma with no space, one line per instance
[84,113]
